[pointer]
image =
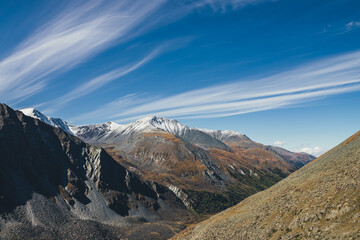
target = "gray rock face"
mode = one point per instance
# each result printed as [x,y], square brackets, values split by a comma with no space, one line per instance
[52,183]
[181,195]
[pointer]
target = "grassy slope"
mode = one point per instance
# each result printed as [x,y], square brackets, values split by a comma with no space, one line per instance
[321,200]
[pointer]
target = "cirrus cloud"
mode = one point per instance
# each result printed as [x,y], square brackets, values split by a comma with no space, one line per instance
[83,29]
[305,83]
[352,25]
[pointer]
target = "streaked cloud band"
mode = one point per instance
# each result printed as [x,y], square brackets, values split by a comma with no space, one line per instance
[334,75]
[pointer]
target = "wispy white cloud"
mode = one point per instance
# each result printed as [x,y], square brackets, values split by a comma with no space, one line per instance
[99,81]
[335,75]
[224,5]
[75,34]
[352,25]
[81,30]
[279,143]
[96,83]
[245,106]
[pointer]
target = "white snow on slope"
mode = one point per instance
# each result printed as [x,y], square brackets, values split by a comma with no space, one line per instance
[55,122]
[111,130]
[98,132]
[155,123]
[222,134]
[31,112]
[106,127]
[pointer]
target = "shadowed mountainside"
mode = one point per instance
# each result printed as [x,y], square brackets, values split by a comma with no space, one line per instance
[54,186]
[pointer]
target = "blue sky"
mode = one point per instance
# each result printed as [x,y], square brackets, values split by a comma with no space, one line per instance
[283,72]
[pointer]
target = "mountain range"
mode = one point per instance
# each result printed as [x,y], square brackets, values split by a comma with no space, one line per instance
[209,170]
[151,178]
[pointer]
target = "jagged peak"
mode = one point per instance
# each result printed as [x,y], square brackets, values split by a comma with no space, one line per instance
[55,122]
[3,107]
[33,112]
[150,123]
[152,119]
[6,111]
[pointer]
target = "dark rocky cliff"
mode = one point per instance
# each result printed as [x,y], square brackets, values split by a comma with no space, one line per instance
[54,185]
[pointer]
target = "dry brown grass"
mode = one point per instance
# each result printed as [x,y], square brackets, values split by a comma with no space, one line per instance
[187,174]
[254,158]
[320,201]
[165,135]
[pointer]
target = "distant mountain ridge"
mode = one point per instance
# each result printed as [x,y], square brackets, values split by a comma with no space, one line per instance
[120,133]
[111,132]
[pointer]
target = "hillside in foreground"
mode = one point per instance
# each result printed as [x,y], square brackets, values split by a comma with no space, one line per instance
[319,201]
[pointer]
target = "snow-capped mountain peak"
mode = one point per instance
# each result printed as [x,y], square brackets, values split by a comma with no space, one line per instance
[222,134]
[32,112]
[114,126]
[111,132]
[55,122]
[95,132]
[156,123]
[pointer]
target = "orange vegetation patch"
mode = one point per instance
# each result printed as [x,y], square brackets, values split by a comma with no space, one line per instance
[163,178]
[165,135]
[248,158]
[70,186]
[225,157]
[188,168]
[187,174]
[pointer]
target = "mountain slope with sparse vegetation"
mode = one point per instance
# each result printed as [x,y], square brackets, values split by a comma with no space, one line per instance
[319,201]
